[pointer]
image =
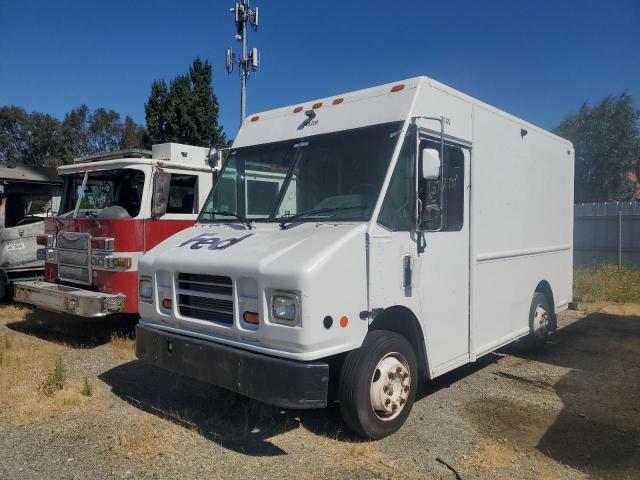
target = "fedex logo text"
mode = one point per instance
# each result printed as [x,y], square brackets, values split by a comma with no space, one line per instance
[212,241]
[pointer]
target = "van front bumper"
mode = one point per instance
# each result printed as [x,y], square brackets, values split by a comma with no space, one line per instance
[62,298]
[275,381]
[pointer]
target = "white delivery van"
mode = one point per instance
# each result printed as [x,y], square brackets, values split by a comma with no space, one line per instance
[365,241]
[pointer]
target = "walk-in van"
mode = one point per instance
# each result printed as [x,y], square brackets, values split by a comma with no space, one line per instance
[355,244]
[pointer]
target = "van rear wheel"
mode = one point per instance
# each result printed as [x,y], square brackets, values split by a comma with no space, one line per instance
[378,385]
[539,322]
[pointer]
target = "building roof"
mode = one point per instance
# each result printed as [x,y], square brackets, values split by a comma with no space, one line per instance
[12,172]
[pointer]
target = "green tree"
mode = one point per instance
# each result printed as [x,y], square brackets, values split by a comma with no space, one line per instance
[39,139]
[105,130]
[46,143]
[87,133]
[33,139]
[187,110]
[14,133]
[133,135]
[607,146]
[155,112]
[75,129]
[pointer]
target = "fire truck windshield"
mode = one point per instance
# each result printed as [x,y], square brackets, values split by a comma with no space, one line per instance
[119,190]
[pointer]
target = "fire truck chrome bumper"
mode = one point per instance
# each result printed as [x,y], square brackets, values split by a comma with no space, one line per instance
[61,298]
[275,381]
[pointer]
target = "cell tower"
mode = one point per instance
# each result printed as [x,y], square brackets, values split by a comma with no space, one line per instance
[249,62]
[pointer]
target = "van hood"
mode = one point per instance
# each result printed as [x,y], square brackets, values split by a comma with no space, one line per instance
[235,250]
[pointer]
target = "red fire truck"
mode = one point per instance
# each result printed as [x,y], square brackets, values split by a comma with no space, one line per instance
[114,208]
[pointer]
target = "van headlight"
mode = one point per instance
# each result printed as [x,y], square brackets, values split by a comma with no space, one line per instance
[145,289]
[285,308]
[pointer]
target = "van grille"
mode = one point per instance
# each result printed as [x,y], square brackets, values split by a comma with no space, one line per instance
[205,297]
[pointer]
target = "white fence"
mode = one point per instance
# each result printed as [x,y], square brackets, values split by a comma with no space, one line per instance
[606,232]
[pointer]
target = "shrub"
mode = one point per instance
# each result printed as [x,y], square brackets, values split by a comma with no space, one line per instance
[55,379]
[87,389]
[606,283]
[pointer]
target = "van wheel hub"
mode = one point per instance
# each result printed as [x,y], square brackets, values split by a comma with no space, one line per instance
[540,321]
[390,386]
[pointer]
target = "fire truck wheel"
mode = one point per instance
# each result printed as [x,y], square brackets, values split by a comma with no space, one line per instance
[378,385]
[4,286]
[539,322]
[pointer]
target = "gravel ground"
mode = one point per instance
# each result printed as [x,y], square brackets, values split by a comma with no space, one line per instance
[571,411]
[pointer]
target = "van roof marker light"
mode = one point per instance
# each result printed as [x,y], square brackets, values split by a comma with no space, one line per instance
[316,105]
[398,87]
[298,109]
[338,101]
[255,118]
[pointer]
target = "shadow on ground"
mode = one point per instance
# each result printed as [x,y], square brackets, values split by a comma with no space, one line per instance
[76,332]
[231,420]
[598,428]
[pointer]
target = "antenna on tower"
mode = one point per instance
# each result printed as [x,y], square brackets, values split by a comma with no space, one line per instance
[249,61]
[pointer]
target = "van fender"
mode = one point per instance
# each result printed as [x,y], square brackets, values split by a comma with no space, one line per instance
[401,320]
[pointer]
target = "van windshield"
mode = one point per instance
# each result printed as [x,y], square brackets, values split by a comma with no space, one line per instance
[119,188]
[335,176]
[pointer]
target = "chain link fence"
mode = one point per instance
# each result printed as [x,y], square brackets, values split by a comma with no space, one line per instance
[607,232]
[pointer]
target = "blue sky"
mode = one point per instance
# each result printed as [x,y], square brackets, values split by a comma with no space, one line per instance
[536,59]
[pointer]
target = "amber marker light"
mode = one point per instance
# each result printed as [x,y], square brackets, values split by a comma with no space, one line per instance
[338,101]
[316,105]
[251,317]
[344,321]
[298,109]
[398,87]
[255,119]
[166,303]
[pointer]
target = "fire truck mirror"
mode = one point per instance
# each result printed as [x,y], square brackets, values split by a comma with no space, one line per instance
[160,199]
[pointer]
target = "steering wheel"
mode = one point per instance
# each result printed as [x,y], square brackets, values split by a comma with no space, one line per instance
[28,219]
[401,209]
[363,189]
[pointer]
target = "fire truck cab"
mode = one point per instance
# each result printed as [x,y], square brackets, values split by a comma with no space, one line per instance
[114,208]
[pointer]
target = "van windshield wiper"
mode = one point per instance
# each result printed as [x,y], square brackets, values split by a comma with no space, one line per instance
[291,218]
[226,213]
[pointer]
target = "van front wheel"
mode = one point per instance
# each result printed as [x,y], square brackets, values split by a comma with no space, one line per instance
[378,385]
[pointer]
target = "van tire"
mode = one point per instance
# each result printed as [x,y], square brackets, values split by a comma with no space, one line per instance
[540,322]
[378,372]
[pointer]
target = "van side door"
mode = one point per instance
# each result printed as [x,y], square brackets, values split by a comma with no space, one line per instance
[444,282]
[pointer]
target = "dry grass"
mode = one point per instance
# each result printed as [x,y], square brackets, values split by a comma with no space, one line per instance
[124,346]
[149,437]
[32,381]
[607,283]
[12,313]
[122,341]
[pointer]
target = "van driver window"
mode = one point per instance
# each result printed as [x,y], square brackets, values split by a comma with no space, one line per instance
[434,210]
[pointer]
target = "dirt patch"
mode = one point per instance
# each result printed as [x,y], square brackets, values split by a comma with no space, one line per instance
[571,411]
[596,426]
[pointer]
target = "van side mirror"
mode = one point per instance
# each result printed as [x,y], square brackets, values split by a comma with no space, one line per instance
[431,164]
[160,198]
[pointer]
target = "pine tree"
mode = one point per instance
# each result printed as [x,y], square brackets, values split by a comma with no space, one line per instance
[186,111]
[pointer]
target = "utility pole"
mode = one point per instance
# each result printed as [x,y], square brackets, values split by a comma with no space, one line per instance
[249,61]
